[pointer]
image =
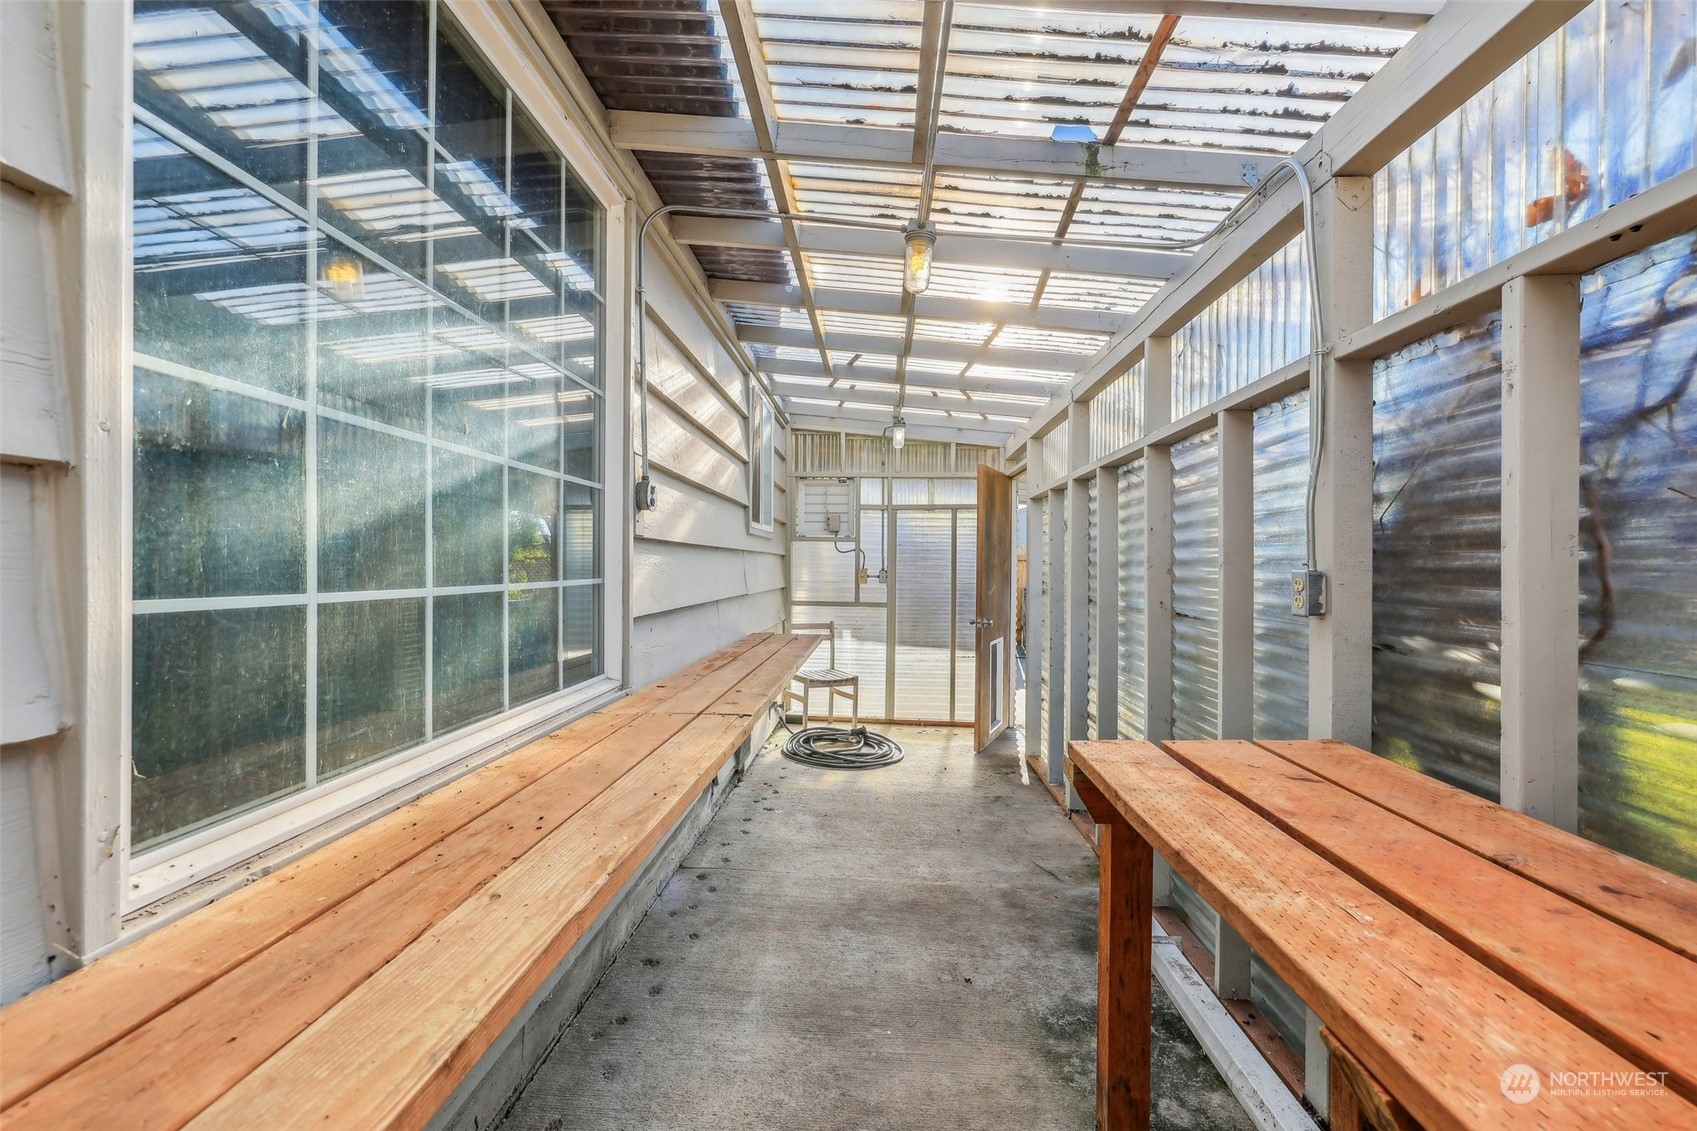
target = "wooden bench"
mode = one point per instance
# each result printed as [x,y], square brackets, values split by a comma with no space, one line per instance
[357,986]
[1440,939]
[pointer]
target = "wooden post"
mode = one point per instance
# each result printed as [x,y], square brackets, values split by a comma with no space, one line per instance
[1036,619]
[1124,964]
[1056,615]
[1158,543]
[1125,927]
[1077,583]
[1237,577]
[1106,659]
[1340,644]
[1540,570]
[1231,963]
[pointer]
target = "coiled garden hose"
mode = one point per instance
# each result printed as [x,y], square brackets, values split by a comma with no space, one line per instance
[839,748]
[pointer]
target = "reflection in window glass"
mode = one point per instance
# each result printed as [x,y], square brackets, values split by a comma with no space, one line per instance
[370,681]
[220,483]
[220,715]
[368,337]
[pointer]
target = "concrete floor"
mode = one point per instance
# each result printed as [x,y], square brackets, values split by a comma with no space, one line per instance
[904,948]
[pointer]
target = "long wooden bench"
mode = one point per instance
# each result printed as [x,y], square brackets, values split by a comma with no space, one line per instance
[357,986]
[1440,939]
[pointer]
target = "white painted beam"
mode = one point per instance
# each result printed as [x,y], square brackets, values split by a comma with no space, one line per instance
[1461,50]
[861,373]
[1036,621]
[1231,963]
[1078,577]
[975,251]
[925,348]
[1540,566]
[885,148]
[1158,544]
[1340,644]
[925,306]
[1407,14]
[1059,723]
[873,422]
[931,395]
[1237,580]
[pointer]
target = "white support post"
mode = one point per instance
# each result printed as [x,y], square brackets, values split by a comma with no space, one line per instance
[1540,568]
[1340,644]
[1056,615]
[1106,659]
[1036,620]
[1237,578]
[1316,1066]
[1158,541]
[1231,964]
[1078,577]
[1163,882]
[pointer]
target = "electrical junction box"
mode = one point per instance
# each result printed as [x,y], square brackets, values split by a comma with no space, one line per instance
[1308,593]
[828,509]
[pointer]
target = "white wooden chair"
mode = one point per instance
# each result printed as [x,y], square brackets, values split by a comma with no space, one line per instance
[835,683]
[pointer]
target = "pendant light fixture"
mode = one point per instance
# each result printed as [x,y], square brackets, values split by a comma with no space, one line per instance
[919,241]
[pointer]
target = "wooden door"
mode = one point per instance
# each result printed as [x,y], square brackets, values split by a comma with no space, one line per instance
[994,655]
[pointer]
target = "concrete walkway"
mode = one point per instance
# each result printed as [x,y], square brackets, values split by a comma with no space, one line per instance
[904,948]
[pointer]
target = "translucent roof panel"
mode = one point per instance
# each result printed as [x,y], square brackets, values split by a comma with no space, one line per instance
[1098,292]
[855,62]
[882,275]
[1246,85]
[886,195]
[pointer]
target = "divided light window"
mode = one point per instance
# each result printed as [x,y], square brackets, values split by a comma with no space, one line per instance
[762,431]
[368,407]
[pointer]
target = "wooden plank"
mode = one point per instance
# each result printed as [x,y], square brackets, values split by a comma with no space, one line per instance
[1656,904]
[389,1054]
[165,1072]
[61,1025]
[1124,957]
[704,693]
[762,687]
[1429,1022]
[1634,995]
[1357,1099]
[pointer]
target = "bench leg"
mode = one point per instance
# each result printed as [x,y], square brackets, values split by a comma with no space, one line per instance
[1124,972]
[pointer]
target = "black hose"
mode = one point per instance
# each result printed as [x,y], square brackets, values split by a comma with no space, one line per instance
[836,748]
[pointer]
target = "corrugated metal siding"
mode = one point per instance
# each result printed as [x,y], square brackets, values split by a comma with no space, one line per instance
[1281,640]
[1092,598]
[1133,646]
[1196,587]
[1196,912]
[1437,552]
[1638,597]
[1278,1002]
[966,607]
[924,583]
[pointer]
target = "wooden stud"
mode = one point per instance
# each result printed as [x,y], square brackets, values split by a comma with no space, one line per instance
[1125,925]
[1158,543]
[1540,565]
[1237,574]
[1340,644]
[1106,659]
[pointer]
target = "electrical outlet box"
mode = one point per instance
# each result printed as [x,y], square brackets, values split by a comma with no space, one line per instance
[1308,593]
[833,524]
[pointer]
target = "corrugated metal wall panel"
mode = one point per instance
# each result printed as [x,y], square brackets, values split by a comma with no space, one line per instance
[1092,598]
[1437,553]
[1196,587]
[1281,496]
[1638,537]
[966,607]
[1196,912]
[1278,1002]
[924,606]
[1133,661]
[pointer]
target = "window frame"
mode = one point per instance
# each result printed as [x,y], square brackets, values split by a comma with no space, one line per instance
[762,434]
[214,857]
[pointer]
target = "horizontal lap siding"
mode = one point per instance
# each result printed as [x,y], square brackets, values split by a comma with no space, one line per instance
[700,577]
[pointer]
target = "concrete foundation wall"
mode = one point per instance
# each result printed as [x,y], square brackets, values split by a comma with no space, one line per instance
[498,1078]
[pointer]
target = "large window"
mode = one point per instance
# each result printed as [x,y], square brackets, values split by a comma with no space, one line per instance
[368,406]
